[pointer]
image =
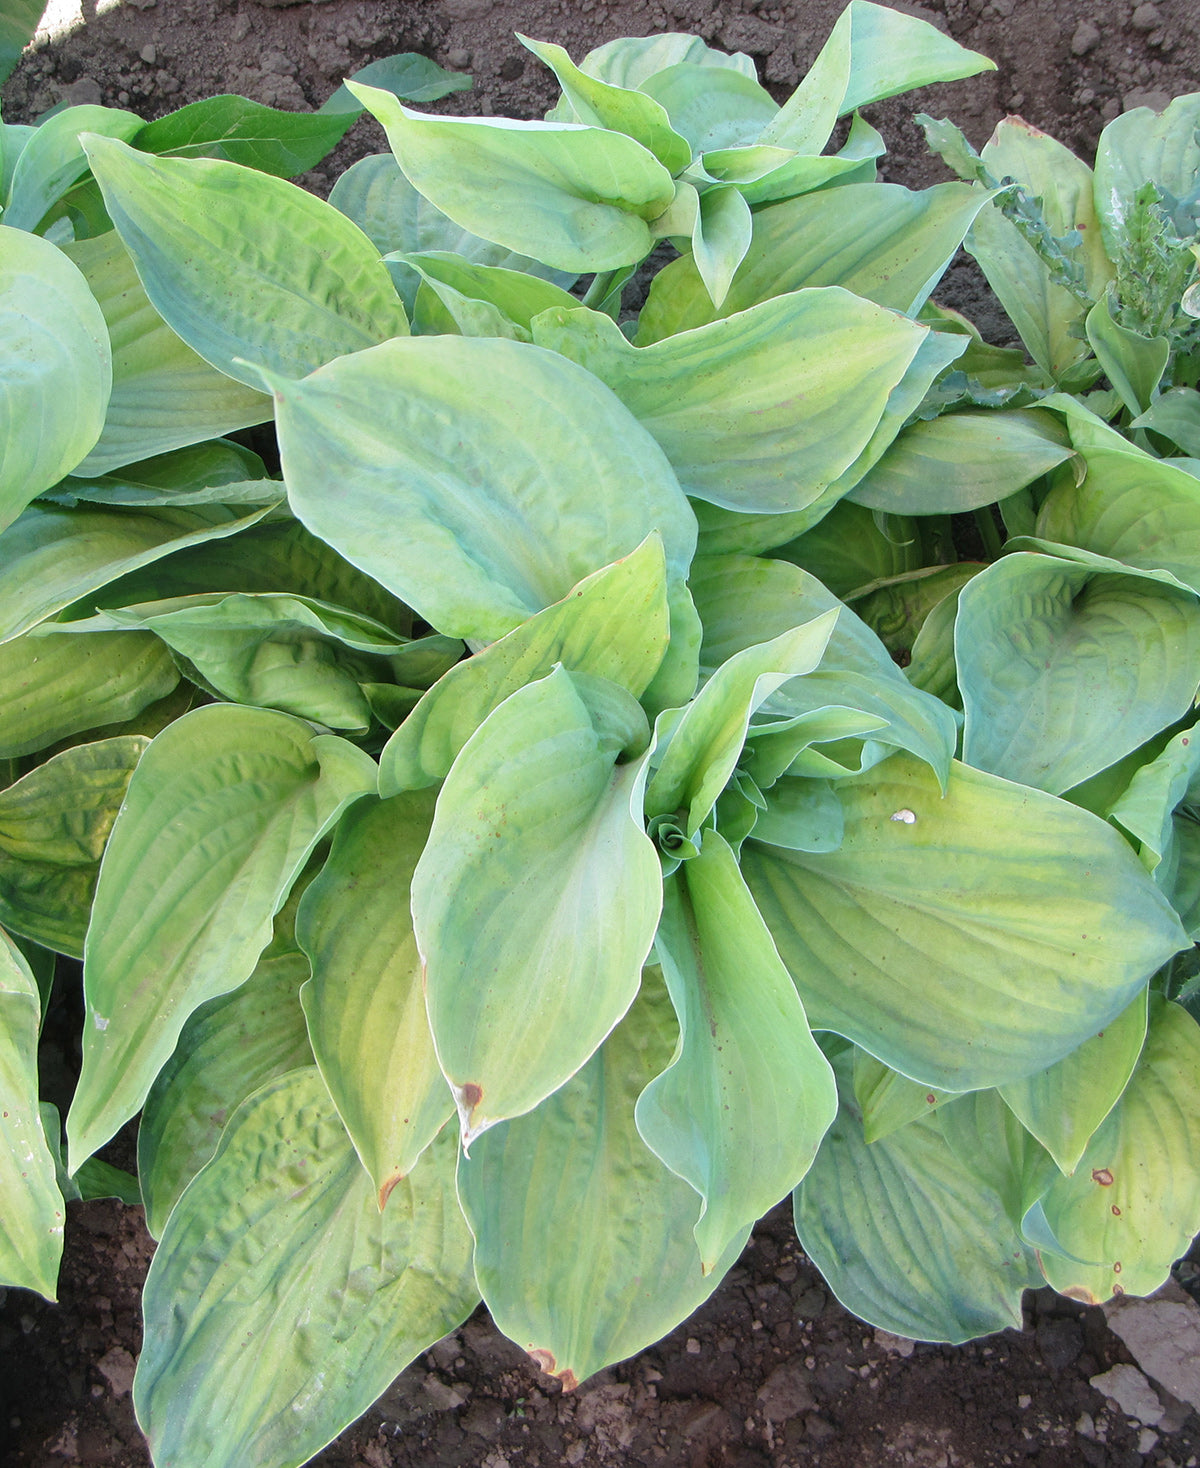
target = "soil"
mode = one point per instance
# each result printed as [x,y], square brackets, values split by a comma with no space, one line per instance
[772,1371]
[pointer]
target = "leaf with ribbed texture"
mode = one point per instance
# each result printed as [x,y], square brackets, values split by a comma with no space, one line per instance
[906,1236]
[880,241]
[229,1047]
[31,1225]
[243,265]
[164,395]
[576,198]
[365,1004]
[721,400]
[537,895]
[281,1302]
[479,296]
[63,810]
[64,682]
[613,625]
[712,108]
[583,1242]
[221,815]
[56,370]
[950,935]
[631,60]
[479,480]
[54,159]
[741,1109]
[1133,1203]
[888,1100]
[1064,668]
[1063,1106]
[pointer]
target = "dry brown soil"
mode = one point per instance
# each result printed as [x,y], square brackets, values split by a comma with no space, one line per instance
[772,1371]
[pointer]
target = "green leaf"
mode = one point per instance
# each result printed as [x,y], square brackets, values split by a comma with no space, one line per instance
[705,742]
[886,1099]
[54,159]
[1133,363]
[1065,668]
[741,1109]
[408,74]
[721,400]
[228,1048]
[907,1237]
[312,287]
[18,21]
[59,684]
[712,107]
[613,625]
[31,1226]
[1132,1205]
[1063,1105]
[245,132]
[281,1302]
[479,480]
[620,109]
[536,898]
[63,811]
[56,373]
[1176,415]
[1141,145]
[805,814]
[575,198]
[365,1004]
[958,946]
[897,608]
[223,812]
[512,296]
[583,1242]
[163,394]
[878,240]
[989,1141]
[631,60]
[962,461]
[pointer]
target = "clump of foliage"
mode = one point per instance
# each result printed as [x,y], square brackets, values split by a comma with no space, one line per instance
[586,798]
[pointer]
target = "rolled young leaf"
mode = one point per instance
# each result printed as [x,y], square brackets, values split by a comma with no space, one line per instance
[225,808]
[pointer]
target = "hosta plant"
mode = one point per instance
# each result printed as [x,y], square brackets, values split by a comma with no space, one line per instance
[613,774]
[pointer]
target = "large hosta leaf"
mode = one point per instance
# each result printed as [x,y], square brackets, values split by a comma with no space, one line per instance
[721,400]
[577,198]
[477,479]
[55,369]
[907,1236]
[536,898]
[951,936]
[614,625]
[366,1002]
[309,285]
[31,1224]
[223,812]
[1138,146]
[1065,668]
[741,1109]
[1133,1203]
[281,1302]
[584,1250]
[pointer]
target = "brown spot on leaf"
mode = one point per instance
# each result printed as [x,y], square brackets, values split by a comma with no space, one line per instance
[1102,1176]
[1117,1290]
[472,1095]
[1117,1267]
[931,1098]
[544,1361]
[1077,1292]
[385,1191]
[1116,1211]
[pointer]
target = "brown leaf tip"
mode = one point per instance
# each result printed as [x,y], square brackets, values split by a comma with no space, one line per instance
[544,1361]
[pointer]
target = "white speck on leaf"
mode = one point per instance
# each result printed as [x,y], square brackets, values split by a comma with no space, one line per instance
[100,1022]
[908,817]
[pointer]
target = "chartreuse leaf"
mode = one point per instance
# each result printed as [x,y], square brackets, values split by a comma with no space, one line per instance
[886,1099]
[1064,668]
[1132,1204]
[906,1235]
[163,394]
[989,1141]
[223,812]
[1063,1105]
[583,1239]
[537,895]
[61,683]
[721,238]
[31,1225]
[704,744]
[308,285]
[228,1048]
[365,1004]
[62,811]
[744,600]
[950,935]
[281,1302]
[712,107]
[575,198]
[620,109]
[612,625]
[631,60]
[1141,145]
[468,292]
[741,1109]
[57,369]
[961,461]
[53,557]
[721,400]
[54,159]
[880,241]
[898,608]
[479,480]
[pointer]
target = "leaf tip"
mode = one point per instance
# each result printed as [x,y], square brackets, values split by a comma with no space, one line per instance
[544,1361]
